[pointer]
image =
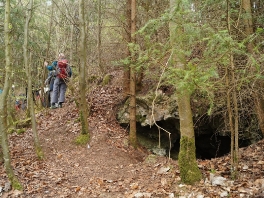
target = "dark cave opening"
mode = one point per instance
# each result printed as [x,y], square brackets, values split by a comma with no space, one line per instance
[212,146]
[209,144]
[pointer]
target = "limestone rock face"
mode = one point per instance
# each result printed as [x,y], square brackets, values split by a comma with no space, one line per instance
[163,111]
[211,137]
[164,108]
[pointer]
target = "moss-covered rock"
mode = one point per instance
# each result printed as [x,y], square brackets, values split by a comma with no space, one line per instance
[23,123]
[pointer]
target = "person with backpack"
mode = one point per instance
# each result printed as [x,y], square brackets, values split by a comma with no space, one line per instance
[50,79]
[63,73]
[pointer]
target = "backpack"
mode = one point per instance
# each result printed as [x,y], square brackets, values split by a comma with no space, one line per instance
[64,70]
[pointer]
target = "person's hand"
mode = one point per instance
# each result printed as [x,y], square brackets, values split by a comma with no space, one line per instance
[46,63]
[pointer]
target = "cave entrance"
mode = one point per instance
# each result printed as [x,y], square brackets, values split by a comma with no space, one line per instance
[208,145]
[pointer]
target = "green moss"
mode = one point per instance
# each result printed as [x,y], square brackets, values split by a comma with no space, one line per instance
[82,139]
[83,124]
[23,123]
[39,152]
[20,131]
[11,130]
[15,183]
[189,170]
[106,79]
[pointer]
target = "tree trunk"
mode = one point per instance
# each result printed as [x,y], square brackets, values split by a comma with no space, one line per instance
[258,97]
[132,112]
[83,107]
[45,73]
[189,170]
[72,44]
[127,35]
[232,105]
[28,67]
[233,118]
[3,100]
[99,43]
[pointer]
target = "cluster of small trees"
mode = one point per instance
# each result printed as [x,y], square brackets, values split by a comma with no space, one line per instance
[212,48]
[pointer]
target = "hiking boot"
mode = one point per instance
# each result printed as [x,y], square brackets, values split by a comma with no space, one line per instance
[60,105]
[53,107]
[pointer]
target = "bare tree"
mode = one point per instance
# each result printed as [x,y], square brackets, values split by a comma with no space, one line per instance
[132,111]
[45,97]
[28,67]
[127,35]
[99,35]
[83,108]
[258,97]
[3,100]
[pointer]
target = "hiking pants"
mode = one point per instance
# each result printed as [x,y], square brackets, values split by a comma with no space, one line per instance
[59,90]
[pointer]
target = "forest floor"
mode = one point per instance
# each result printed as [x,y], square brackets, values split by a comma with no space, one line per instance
[108,167]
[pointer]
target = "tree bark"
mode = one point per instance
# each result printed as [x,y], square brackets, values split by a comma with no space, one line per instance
[258,97]
[83,107]
[189,170]
[72,44]
[3,100]
[28,67]
[232,104]
[132,112]
[45,73]
[127,35]
[99,42]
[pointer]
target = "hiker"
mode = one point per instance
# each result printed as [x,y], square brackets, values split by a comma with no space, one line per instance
[63,72]
[51,77]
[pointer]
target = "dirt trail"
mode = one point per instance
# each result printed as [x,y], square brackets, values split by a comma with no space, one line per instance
[109,168]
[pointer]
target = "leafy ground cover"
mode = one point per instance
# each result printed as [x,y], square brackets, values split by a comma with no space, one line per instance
[109,167]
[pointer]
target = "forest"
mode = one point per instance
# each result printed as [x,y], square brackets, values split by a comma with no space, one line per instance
[165,98]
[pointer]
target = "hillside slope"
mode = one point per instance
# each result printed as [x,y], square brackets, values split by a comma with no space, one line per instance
[108,167]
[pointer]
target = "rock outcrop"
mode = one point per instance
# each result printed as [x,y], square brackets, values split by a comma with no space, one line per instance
[158,125]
